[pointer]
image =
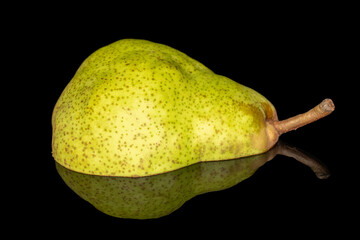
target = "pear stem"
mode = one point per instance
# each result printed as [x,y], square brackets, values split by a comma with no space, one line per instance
[321,110]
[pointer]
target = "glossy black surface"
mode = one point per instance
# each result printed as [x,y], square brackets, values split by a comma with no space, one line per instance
[295,64]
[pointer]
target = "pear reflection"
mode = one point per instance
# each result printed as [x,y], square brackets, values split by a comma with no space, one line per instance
[159,195]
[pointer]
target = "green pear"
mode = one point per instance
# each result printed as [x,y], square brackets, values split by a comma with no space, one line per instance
[137,108]
[162,194]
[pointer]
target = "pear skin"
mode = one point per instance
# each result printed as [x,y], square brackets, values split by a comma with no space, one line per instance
[137,108]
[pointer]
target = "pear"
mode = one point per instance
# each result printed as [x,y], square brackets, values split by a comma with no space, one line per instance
[159,195]
[137,108]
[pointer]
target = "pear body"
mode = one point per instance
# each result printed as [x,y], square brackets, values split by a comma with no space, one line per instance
[137,108]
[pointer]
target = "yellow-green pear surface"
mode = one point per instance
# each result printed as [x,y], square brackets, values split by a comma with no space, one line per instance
[137,108]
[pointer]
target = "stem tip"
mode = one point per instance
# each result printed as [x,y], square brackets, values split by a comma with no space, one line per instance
[327,105]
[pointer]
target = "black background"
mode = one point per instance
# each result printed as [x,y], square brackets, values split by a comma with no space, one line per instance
[294,58]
